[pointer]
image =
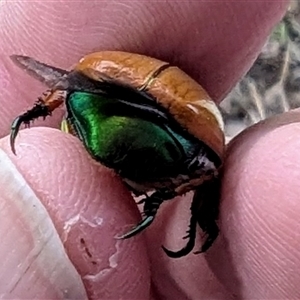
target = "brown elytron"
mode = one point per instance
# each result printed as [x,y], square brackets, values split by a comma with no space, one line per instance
[183,97]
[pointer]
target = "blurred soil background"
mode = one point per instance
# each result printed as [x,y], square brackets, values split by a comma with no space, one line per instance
[272,85]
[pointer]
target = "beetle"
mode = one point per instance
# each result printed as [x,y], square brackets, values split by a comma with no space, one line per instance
[145,119]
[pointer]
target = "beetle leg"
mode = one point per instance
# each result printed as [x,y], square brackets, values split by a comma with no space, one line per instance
[191,236]
[207,211]
[151,206]
[38,109]
[42,108]
[138,228]
[204,211]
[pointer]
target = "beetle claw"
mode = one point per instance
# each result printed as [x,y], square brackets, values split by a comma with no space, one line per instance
[189,245]
[199,215]
[138,228]
[182,252]
[151,206]
[38,110]
[207,211]
[15,127]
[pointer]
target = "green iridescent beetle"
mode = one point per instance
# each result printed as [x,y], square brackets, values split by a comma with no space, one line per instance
[147,120]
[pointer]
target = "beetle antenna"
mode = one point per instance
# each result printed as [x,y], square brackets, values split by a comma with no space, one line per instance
[40,109]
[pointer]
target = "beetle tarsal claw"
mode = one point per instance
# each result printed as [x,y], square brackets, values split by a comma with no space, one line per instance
[138,228]
[151,206]
[15,127]
[189,245]
[38,110]
[207,211]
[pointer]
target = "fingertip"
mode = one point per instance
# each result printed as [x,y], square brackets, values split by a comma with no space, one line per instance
[89,206]
[260,209]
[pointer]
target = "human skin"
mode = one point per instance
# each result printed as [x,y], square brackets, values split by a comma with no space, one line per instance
[256,255]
